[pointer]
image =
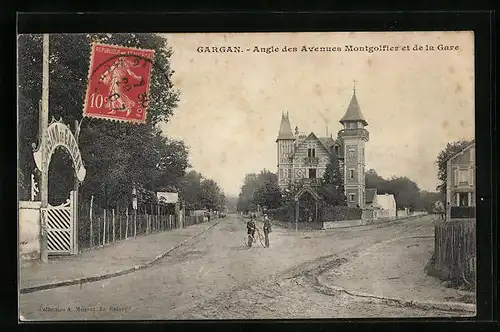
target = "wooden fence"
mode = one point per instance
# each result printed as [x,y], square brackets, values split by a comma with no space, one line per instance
[98,227]
[455,251]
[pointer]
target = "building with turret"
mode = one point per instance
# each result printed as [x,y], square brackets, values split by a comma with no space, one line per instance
[303,158]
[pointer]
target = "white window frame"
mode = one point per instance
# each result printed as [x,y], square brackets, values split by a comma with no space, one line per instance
[352,197]
[463,176]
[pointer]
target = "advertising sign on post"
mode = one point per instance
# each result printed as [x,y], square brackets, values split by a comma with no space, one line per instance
[167,198]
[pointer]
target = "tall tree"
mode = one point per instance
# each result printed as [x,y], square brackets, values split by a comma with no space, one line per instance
[190,190]
[427,201]
[116,155]
[332,189]
[268,194]
[405,191]
[257,189]
[210,195]
[245,198]
[450,149]
[373,180]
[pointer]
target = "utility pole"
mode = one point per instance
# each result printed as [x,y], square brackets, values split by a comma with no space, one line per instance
[44,122]
[75,198]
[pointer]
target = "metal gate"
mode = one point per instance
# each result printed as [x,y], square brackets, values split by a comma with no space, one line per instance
[60,227]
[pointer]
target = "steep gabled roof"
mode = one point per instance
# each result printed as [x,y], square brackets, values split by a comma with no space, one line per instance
[471,143]
[285,128]
[313,136]
[353,112]
[386,201]
[370,195]
[327,142]
[309,190]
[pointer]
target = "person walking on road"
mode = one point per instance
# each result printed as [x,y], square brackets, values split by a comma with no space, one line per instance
[267,229]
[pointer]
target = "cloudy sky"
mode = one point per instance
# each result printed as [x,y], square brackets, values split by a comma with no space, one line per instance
[231,103]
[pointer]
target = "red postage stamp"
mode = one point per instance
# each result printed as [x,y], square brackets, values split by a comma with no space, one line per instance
[118,87]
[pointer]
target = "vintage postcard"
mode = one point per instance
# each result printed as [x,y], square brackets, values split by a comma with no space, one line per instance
[246,175]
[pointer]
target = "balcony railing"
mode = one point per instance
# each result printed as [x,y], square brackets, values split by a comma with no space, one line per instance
[360,132]
[311,160]
[311,182]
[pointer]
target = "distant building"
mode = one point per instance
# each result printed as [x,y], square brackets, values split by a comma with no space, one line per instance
[382,206]
[304,157]
[387,203]
[371,198]
[460,183]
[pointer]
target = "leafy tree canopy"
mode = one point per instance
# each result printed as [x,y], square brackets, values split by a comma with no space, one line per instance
[332,189]
[406,192]
[259,189]
[117,156]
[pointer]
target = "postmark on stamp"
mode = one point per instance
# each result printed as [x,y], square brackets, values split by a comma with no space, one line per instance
[118,83]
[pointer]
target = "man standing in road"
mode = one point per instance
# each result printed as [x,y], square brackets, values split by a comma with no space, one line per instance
[251,231]
[267,230]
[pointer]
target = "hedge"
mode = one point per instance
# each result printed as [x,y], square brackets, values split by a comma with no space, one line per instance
[339,213]
[327,213]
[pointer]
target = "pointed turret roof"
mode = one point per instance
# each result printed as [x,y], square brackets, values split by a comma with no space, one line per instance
[353,112]
[285,128]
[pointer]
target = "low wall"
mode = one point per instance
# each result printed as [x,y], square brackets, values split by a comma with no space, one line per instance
[418,213]
[300,226]
[344,223]
[402,213]
[361,222]
[29,230]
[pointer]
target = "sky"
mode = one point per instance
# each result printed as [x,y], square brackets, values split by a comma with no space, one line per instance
[415,101]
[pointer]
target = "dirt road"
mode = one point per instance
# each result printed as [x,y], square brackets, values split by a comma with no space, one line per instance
[216,277]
